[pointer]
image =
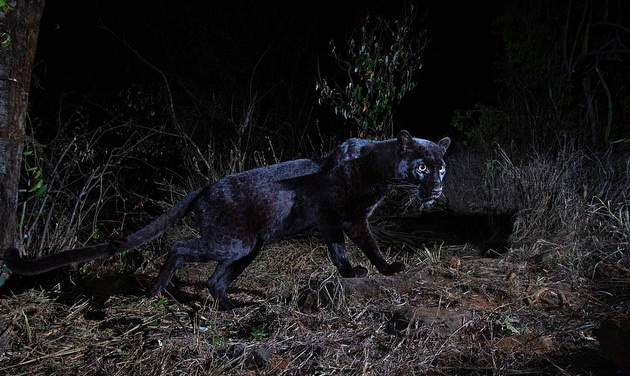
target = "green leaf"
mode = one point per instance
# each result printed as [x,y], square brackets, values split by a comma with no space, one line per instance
[258,334]
[161,302]
[95,235]
[219,341]
[5,39]
[28,152]
[37,186]
[41,191]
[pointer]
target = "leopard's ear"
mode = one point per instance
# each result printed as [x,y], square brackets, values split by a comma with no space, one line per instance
[444,144]
[404,141]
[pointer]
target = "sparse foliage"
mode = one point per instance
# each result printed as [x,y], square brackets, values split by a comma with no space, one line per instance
[481,125]
[564,70]
[68,185]
[380,64]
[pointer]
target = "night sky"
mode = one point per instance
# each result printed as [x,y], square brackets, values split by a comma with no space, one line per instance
[232,49]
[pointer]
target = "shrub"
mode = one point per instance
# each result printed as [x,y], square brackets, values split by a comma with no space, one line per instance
[382,59]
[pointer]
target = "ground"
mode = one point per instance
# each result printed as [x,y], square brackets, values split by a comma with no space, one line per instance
[452,312]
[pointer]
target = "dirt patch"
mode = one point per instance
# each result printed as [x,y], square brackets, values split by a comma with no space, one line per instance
[452,312]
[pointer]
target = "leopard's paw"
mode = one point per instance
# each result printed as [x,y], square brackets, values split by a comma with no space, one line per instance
[355,272]
[394,268]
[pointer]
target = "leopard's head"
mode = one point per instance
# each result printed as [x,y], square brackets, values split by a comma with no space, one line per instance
[421,168]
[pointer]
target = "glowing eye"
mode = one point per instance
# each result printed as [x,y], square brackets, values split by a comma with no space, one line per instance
[442,170]
[422,167]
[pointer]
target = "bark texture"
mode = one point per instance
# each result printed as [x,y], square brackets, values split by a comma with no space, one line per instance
[21,23]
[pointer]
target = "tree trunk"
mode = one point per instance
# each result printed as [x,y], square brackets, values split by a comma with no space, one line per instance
[20,23]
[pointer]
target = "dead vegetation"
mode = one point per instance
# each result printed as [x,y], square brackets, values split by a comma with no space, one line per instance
[568,203]
[452,312]
[552,299]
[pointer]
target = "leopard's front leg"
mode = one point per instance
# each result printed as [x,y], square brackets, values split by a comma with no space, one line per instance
[331,229]
[359,232]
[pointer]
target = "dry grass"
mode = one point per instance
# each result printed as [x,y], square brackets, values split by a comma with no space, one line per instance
[531,311]
[447,315]
[569,204]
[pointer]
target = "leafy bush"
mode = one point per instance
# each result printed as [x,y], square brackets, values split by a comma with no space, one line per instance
[381,61]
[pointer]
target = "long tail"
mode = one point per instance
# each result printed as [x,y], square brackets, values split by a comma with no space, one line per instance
[151,231]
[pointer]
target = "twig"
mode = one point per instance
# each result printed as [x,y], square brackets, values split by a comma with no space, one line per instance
[168,93]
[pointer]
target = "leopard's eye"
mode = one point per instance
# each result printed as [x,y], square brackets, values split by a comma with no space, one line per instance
[422,168]
[442,169]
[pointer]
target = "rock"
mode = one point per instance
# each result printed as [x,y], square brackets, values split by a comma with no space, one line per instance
[377,286]
[442,321]
[330,291]
[259,357]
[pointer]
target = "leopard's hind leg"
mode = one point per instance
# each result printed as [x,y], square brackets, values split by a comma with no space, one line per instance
[229,269]
[232,258]
[182,252]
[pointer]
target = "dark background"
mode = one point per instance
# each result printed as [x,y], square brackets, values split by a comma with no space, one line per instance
[232,83]
[234,49]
